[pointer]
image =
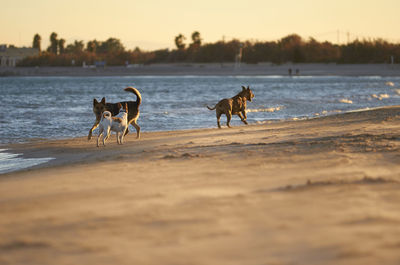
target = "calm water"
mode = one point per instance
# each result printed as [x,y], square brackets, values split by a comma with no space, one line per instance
[61,107]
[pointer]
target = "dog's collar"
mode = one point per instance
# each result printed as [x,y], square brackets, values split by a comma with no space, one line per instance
[122,111]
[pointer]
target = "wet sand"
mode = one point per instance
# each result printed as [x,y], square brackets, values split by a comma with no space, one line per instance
[318,191]
[331,69]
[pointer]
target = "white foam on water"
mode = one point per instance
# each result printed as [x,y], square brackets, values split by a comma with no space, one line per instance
[326,112]
[12,162]
[380,96]
[345,100]
[272,109]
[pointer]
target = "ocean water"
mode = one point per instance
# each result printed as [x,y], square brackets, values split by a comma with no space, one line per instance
[61,107]
[11,162]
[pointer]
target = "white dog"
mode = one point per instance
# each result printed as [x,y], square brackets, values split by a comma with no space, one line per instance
[118,124]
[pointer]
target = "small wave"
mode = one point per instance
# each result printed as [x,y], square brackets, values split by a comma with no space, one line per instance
[266,109]
[345,100]
[397,91]
[372,77]
[326,112]
[264,122]
[389,84]
[380,96]
[299,118]
[11,162]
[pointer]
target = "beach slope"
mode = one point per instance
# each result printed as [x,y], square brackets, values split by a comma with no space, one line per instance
[317,191]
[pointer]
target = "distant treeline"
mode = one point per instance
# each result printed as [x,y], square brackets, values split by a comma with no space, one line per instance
[291,48]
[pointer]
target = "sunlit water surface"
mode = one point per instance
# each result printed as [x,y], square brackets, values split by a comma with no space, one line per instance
[61,107]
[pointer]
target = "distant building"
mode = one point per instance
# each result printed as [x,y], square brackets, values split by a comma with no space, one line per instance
[9,56]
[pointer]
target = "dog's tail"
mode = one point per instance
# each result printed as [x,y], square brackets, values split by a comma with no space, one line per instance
[211,108]
[136,92]
[106,114]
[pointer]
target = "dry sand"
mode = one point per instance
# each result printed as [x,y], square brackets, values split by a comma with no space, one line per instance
[319,191]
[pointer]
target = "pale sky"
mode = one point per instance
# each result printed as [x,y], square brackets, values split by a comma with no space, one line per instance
[153,24]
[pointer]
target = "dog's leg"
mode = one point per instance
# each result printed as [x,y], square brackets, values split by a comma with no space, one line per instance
[101,130]
[96,123]
[137,127]
[117,136]
[228,118]
[123,135]
[218,119]
[98,137]
[243,119]
[106,136]
[244,115]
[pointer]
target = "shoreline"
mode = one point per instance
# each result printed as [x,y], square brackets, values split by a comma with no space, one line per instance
[323,190]
[210,69]
[20,148]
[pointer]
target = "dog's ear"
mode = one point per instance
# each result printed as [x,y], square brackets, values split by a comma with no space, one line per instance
[103,100]
[95,102]
[119,105]
[248,87]
[126,106]
[243,88]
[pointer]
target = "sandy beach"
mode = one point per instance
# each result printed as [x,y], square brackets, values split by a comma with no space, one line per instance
[317,191]
[310,69]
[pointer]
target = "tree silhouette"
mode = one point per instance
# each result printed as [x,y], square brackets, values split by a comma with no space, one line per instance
[61,45]
[53,43]
[111,45]
[77,47]
[291,48]
[193,50]
[36,41]
[196,39]
[179,42]
[92,45]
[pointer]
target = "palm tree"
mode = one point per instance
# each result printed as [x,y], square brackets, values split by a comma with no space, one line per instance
[61,45]
[53,43]
[196,38]
[36,41]
[179,42]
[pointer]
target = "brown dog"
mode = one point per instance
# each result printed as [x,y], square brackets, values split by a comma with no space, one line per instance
[133,110]
[233,106]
